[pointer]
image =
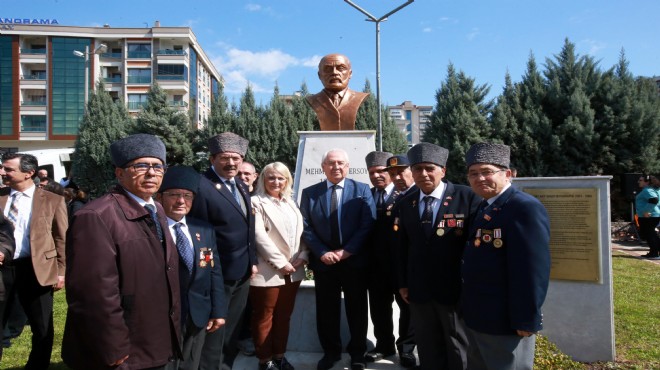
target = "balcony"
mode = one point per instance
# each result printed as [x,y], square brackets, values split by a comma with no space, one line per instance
[29,125]
[136,105]
[34,103]
[177,103]
[112,80]
[139,55]
[35,76]
[170,77]
[139,79]
[33,51]
[172,52]
[112,55]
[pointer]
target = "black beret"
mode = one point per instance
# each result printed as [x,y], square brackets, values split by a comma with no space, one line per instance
[496,154]
[428,153]
[228,142]
[377,158]
[135,146]
[180,177]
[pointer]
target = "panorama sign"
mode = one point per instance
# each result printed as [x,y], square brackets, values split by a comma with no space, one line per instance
[8,23]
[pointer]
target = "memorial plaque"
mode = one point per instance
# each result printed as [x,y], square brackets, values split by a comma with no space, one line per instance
[574,232]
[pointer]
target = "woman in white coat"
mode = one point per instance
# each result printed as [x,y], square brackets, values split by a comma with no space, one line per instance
[278,227]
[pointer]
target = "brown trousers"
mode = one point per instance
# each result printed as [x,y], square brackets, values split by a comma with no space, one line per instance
[271,314]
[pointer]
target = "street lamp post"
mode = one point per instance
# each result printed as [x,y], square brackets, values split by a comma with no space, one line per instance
[371,18]
[99,49]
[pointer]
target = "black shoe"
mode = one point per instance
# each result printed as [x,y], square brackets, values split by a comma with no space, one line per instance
[358,363]
[270,365]
[283,364]
[377,355]
[407,360]
[327,361]
[653,257]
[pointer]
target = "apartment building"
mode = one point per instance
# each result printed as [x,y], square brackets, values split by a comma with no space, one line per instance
[411,119]
[46,70]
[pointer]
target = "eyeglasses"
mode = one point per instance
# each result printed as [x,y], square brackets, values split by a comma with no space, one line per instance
[485,174]
[186,196]
[143,168]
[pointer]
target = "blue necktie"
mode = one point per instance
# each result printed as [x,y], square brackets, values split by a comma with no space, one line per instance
[427,216]
[152,212]
[234,191]
[183,246]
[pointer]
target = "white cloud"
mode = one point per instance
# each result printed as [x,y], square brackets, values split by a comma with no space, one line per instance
[593,46]
[253,7]
[240,67]
[473,34]
[427,29]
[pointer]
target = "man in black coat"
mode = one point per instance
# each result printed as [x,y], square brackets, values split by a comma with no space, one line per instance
[432,228]
[224,201]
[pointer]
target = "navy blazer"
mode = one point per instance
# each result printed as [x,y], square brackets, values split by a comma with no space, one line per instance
[505,281]
[430,267]
[202,291]
[234,230]
[358,213]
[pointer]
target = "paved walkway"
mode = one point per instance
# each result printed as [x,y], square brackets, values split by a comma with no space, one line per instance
[633,248]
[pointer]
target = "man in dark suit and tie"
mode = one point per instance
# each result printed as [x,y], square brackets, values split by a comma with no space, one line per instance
[432,230]
[40,222]
[506,265]
[223,201]
[380,265]
[203,306]
[336,105]
[122,277]
[338,214]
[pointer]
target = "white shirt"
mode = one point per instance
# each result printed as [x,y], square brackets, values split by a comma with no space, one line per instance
[22,225]
[493,199]
[141,201]
[437,194]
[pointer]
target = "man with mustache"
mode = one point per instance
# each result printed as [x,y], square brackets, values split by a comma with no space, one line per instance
[223,200]
[336,105]
[122,270]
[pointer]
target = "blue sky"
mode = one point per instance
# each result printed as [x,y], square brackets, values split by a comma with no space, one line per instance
[282,40]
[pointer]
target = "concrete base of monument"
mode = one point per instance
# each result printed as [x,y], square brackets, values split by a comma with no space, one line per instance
[304,349]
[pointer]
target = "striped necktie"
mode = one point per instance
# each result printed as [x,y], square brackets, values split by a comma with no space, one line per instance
[183,246]
[12,216]
[154,217]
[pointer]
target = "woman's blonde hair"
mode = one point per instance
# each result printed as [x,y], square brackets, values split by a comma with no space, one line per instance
[283,170]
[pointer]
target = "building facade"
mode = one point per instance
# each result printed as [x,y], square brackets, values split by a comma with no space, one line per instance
[46,70]
[411,120]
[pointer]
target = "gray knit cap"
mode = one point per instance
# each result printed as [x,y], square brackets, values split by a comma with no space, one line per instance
[377,158]
[228,142]
[428,153]
[135,146]
[496,154]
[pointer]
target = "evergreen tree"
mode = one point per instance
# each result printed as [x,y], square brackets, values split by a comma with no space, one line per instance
[281,116]
[221,120]
[367,119]
[169,124]
[459,119]
[572,82]
[252,126]
[103,123]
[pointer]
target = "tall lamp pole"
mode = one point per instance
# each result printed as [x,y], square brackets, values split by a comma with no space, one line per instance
[371,18]
[99,49]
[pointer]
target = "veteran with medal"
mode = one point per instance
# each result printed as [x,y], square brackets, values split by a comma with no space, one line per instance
[506,265]
[432,221]
[203,306]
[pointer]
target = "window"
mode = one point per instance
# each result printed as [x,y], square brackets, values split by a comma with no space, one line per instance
[139,75]
[142,51]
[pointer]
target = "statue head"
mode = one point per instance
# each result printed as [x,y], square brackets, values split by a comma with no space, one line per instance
[335,72]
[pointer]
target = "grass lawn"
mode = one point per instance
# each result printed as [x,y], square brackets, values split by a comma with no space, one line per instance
[636,317]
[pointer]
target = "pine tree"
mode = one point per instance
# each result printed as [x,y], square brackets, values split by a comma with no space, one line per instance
[169,124]
[459,119]
[252,126]
[367,119]
[103,123]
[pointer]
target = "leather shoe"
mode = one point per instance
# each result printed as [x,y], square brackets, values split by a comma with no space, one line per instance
[377,355]
[407,360]
[327,361]
[358,363]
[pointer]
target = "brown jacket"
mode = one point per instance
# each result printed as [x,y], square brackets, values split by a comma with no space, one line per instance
[333,118]
[48,225]
[122,287]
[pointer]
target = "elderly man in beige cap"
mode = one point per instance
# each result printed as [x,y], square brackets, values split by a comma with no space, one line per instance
[223,200]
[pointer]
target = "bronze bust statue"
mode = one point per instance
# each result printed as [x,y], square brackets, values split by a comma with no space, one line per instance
[336,105]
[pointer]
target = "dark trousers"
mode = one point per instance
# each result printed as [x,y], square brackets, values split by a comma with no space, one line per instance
[221,346]
[271,315]
[192,344]
[405,343]
[381,297]
[37,302]
[440,336]
[328,287]
[647,230]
